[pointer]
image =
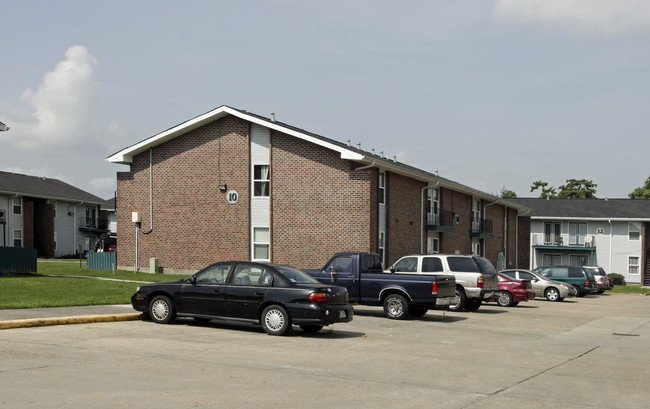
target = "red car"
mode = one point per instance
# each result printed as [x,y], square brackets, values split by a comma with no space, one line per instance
[512,291]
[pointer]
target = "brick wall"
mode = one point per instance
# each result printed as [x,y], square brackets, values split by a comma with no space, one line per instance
[460,239]
[524,242]
[319,204]
[403,216]
[193,224]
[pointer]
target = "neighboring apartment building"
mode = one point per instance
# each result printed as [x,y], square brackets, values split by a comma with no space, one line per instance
[610,233]
[48,215]
[230,184]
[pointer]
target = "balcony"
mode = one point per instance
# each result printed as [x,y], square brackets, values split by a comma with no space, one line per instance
[99,225]
[481,228]
[563,241]
[442,221]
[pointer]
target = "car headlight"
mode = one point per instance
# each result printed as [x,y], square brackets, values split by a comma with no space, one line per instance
[137,290]
[565,286]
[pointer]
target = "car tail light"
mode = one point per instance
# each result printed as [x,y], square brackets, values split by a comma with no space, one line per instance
[587,282]
[480,282]
[434,287]
[320,297]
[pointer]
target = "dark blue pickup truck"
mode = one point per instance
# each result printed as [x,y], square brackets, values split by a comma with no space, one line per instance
[400,294]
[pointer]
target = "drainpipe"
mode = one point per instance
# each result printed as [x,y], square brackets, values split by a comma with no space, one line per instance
[150,192]
[611,234]
[366,166]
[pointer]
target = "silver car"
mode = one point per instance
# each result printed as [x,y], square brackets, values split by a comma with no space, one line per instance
[550,289]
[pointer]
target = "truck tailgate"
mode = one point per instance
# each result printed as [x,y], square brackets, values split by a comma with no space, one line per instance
[446,285]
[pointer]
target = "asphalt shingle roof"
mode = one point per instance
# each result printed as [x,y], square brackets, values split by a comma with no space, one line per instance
[46,188]
[587,208]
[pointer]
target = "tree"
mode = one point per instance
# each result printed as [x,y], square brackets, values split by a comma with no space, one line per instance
[641,192]
[578,189]
[507,194]
[547,192]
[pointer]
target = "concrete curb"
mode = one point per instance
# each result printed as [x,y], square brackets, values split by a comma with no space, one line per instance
[40,322]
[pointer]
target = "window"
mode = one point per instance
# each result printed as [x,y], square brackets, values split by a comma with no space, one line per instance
[552,232]
[578,260]
[431,264]
[407,265]
[261,243]
[18,238]
[18,205]
[90,216]
[382,245]
[577,232]
[342,264]
[634,231]
[382,187]
[433,244]
[215,274]
[247,274]
[633,265]
[433,206]
[551,259]
[463,264]
[261,181]
[476,214]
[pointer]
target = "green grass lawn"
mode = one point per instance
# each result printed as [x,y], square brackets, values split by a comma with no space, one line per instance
[49,288]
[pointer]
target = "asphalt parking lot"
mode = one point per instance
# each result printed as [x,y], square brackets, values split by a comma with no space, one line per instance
[591,352]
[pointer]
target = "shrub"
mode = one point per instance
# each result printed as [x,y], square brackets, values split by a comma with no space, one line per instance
[617,278]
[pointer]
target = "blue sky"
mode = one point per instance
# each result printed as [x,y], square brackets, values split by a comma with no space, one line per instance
[490,94]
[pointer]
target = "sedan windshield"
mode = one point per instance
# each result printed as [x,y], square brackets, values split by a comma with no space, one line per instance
[296,276]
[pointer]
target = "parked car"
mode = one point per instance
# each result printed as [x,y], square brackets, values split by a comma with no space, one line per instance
[552,290]
[512,291]
[272,295]
[476,277]
[579,277]
[602,280]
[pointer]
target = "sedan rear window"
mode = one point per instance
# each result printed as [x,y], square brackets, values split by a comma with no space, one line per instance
[296,276]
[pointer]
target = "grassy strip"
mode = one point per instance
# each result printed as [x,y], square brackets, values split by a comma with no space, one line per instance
[49,287]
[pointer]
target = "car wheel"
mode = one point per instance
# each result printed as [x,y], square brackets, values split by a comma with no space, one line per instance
[396,307]
[552,294]
[276,320]
[460,305]
[162,310]
[473,304]
[310,329]
[504,299]
[580,293]
[419,312]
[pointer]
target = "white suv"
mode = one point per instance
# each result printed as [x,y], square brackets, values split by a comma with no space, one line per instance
[476,277]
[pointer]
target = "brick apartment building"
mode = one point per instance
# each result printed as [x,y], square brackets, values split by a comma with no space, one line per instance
[230,184]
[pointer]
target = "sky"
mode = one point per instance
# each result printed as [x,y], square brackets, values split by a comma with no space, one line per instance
[493,94]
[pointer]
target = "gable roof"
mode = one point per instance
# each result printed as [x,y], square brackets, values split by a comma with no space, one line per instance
[604,209]
[365,159]
[44,188]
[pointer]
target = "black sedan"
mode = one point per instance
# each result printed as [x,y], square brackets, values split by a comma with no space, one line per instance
[273,295]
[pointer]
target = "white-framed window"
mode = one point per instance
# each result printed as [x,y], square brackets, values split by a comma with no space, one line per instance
[433,244]
[633,265]
[18,205]
[552,232]
[261,243]
[634,231]
[577,232]
[261,180]
[551,259]
[433,206]
[382,246]
[476,214]
[382,187]
[476,248]
[18,238]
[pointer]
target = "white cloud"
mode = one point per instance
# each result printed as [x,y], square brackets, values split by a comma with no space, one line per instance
[599,18]
[61,103]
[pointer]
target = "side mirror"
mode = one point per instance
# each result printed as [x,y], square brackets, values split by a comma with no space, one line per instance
[191,280]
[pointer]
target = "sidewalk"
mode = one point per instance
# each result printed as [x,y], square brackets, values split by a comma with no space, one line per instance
[34,317]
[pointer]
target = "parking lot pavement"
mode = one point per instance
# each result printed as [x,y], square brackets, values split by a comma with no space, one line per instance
[590,352]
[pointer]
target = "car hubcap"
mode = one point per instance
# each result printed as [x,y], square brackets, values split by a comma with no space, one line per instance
[503,299]
[552,295]
[274,320]
[160,310]
[395,307]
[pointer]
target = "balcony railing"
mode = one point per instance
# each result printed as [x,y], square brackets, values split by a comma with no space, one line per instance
[482,226]
[89,223]
[444,218]
[564,240]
